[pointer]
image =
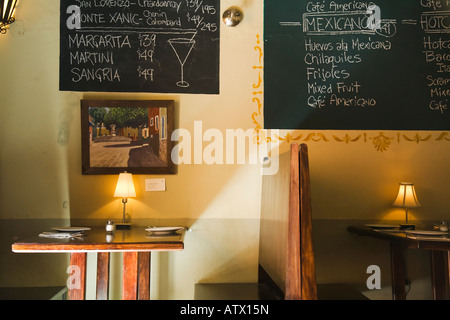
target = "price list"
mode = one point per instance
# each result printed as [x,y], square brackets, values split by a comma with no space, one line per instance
[140,46]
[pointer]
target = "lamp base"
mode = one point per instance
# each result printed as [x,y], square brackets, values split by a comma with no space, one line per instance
[407,227]
[123,226]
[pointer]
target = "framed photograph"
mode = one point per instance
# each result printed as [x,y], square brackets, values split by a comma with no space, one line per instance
[127,135]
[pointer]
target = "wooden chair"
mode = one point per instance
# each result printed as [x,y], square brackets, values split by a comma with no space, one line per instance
[286,251]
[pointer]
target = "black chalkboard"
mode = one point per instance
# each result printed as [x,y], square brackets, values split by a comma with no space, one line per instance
[346,65]
[166,46]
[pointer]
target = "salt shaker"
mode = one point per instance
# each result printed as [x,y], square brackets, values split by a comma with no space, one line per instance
[110,227]
[443,226]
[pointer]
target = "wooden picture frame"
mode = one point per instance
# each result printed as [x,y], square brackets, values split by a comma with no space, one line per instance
[127,135]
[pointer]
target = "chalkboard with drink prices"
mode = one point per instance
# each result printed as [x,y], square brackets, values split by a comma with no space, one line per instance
[165,46]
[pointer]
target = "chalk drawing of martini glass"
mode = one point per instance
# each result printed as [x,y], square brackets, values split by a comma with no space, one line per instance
[182,48]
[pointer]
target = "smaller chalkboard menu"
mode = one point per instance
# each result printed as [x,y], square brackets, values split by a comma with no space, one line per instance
[166,46]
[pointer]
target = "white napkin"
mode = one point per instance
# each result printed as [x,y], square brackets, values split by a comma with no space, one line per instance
[60,235]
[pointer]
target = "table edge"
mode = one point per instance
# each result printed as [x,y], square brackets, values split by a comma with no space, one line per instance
[56,247]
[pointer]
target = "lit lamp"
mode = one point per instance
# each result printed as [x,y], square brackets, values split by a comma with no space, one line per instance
[124,190]
[406,198]
[7,10]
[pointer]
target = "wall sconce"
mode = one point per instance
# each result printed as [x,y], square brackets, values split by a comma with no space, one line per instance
[124,190]
[7,10]
[232,16]
[406,198]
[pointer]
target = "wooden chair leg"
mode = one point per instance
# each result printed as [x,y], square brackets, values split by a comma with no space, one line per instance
[144,276]
[398,271]
[129,275]
[103,275]
[77,278]
[439,273]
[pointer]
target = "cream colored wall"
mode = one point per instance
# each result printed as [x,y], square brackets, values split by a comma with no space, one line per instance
[360,182]
[40,163]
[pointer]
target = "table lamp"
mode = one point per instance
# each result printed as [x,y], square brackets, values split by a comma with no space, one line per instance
[124,190]
[406,198]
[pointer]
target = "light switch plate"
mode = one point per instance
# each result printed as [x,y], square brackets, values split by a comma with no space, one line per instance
[155,184]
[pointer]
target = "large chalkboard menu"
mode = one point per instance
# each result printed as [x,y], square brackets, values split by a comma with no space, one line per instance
[357,65]
[166,46]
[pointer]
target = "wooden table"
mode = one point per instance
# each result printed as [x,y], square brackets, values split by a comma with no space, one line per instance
[399,242]
[136,245]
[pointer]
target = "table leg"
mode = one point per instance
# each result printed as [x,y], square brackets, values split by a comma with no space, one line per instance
[144,276]
[102,275]
[129,275]
[440,274]
[398,271]
[77,276]
[136,276]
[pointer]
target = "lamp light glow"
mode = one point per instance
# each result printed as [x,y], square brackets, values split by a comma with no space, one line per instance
[406,198]
[7,12]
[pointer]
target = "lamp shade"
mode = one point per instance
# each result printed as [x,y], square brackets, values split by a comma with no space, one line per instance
[406,197]
[7,10]
[125,186]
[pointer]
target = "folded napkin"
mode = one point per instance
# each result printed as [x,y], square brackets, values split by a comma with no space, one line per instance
[61,235]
